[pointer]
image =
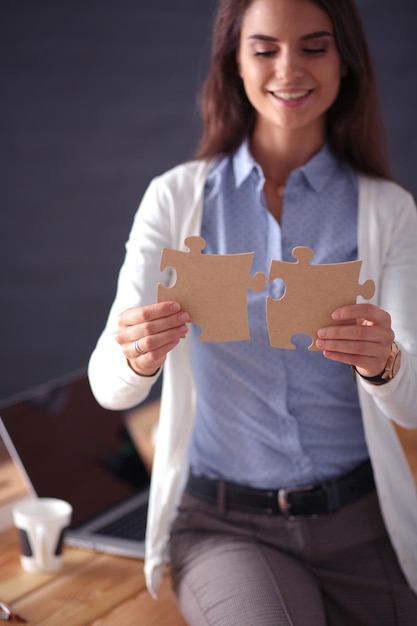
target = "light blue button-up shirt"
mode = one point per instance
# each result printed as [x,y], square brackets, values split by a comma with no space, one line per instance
[270,417]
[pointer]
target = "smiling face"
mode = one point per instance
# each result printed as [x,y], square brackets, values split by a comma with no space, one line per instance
[289,65]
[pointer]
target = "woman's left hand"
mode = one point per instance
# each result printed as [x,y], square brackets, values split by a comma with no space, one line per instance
[364,338]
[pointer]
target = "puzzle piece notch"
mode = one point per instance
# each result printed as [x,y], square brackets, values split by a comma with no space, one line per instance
[212,288]
[323,288]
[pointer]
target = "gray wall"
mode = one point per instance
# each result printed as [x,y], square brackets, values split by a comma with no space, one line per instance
[97,97]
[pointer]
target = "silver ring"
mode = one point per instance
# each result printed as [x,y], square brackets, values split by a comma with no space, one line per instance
[136,346]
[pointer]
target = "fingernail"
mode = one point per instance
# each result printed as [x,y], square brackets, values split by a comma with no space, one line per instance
[175,307]
[336,315]
[322,332]
[184,317]
[320,343]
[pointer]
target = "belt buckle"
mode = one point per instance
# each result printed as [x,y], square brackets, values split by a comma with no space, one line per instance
[283,504]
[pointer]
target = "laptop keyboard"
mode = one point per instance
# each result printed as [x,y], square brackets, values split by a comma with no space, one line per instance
[130,526]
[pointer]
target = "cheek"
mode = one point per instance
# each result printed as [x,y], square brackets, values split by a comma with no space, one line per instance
[333,81]
[253,88]
[252,75]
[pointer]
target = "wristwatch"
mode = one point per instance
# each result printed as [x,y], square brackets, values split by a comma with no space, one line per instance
[390,370]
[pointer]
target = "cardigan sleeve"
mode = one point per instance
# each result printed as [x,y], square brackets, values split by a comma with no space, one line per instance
[114,384]
[388,242]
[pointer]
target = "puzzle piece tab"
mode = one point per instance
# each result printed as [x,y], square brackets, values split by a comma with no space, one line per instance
[312,292]
[212,288]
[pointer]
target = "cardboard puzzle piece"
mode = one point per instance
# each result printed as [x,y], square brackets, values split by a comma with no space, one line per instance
[312,292]
[212,288]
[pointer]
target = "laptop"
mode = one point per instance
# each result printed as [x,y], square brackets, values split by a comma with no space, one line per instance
[67,446]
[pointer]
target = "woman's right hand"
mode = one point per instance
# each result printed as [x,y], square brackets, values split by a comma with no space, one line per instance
[146,334]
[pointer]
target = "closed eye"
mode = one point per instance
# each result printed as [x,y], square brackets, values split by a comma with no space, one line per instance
[314,50]
[265,53]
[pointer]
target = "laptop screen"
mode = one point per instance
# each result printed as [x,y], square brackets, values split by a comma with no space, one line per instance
[72,448]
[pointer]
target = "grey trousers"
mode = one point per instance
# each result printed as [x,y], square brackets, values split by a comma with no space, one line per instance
[242,569]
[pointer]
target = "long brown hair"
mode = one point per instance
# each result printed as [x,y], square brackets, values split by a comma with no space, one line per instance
[355,128]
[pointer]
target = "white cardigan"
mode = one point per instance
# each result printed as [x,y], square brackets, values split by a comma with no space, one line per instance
[170,211]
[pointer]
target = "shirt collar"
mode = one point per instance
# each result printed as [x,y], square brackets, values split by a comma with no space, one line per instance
[317,171]
[321,168]
[244,164]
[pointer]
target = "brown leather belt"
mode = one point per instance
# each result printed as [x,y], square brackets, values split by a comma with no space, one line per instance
[309,500]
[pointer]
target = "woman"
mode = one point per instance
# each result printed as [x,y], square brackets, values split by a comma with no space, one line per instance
[262,483]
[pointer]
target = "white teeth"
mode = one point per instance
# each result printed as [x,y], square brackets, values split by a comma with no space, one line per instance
[290,96]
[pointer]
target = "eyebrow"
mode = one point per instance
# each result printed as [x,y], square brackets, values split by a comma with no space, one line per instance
[315,35]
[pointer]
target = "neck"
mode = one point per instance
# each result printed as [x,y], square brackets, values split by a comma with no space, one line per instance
[279,153]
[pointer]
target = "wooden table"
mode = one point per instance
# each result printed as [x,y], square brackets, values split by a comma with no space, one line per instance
[94,589]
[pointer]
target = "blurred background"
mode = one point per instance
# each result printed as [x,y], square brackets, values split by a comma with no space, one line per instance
[97,97]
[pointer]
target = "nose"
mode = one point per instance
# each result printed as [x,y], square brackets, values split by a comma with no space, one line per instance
[289,65]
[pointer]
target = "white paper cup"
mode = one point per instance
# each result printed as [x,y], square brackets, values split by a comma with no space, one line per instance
[41,524]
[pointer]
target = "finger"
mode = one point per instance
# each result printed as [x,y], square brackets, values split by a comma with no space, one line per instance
[140,315]
[356,343]
[354,351]
[153,342]
[176,325]
[357,333]
[366,365]
[148,363]
[138,349]
[132,323]
[363,314]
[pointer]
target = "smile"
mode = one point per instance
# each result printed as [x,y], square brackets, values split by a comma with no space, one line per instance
[288,96]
